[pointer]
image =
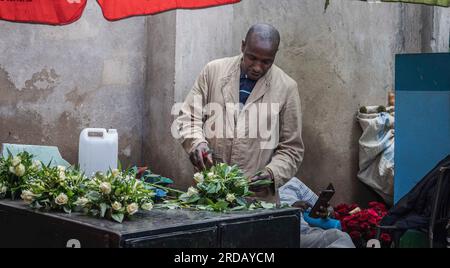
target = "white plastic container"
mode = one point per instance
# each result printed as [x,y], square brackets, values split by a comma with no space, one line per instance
[98,150]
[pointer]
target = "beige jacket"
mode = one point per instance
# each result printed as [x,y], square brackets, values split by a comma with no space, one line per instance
[231,133]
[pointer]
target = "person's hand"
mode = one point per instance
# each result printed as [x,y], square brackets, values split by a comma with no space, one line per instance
[201,157]
[262,175]
[302,205]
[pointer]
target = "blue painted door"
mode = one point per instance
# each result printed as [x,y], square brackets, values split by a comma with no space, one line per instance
[422,117]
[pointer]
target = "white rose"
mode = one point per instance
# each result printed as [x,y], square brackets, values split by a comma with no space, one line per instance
[198,177]
[20,170]
[116,206]
[61,199]
[147,206]
[230,198]
[191,191]
[132,208]
[211,175]
[105,187]
[36,165]
[16,160]
[61,168]
[82,201]
[12,170]
[115,173]
[62,175]
[27,196]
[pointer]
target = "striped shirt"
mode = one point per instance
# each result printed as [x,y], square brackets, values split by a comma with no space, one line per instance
[246,86]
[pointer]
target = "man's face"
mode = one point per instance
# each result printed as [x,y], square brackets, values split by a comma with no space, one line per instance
[258,57]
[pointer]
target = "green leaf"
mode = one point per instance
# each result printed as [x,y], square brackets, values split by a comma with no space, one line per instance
[118,217]
[267,205]
[94,212]
[165,180]
[193,199]
[211,189]
[241,201]
[238,208]
[261,183]
[103,208]
[67,210]
[221,205]
[94,196]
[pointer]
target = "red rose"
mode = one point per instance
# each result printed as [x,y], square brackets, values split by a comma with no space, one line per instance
[371,234]
[372,212]
[353,225]
[353,206]
[364,226]
[344,226]
[342,211]
[373,221]
[386,238]
[341,207]
[355,235]
[364,217]
[347,218]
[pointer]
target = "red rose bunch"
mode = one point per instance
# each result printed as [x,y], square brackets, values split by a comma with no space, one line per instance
[361,225]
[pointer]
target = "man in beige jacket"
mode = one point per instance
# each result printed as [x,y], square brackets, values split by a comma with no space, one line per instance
[246,111]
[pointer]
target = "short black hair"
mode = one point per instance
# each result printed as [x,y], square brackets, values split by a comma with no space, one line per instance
[264,32]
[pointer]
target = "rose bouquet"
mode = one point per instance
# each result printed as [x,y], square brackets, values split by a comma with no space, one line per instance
[220,188]
[54,188]
[116,195]
[362,225]
[14,172]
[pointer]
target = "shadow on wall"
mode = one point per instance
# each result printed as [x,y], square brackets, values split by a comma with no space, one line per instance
[323,164]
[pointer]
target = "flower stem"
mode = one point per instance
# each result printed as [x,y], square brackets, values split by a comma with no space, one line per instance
[166,188]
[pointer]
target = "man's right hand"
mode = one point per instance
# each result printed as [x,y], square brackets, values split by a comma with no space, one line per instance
[201,157]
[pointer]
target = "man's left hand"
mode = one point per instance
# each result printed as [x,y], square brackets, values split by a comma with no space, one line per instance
[262,175]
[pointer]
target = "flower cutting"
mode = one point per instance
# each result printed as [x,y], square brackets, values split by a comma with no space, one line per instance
[54,188]
[220,188]
[14,172]
[116,195]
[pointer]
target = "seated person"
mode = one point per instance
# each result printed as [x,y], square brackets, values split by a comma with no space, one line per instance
[297,194]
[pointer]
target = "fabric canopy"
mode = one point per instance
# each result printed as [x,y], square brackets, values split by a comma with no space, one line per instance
[119,9]
[54,12]
[443,3]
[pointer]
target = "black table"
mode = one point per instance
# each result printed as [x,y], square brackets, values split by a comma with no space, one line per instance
[21,226]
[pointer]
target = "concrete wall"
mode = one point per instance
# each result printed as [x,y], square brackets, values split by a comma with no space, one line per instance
[342,58]
[55,81]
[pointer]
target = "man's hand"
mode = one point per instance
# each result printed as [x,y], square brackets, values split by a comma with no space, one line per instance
[262,175]
[201,157]
[302,205]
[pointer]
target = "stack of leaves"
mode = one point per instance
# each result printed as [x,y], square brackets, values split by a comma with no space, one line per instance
[221,188]
[14,173]
[116,195]
[54,188]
